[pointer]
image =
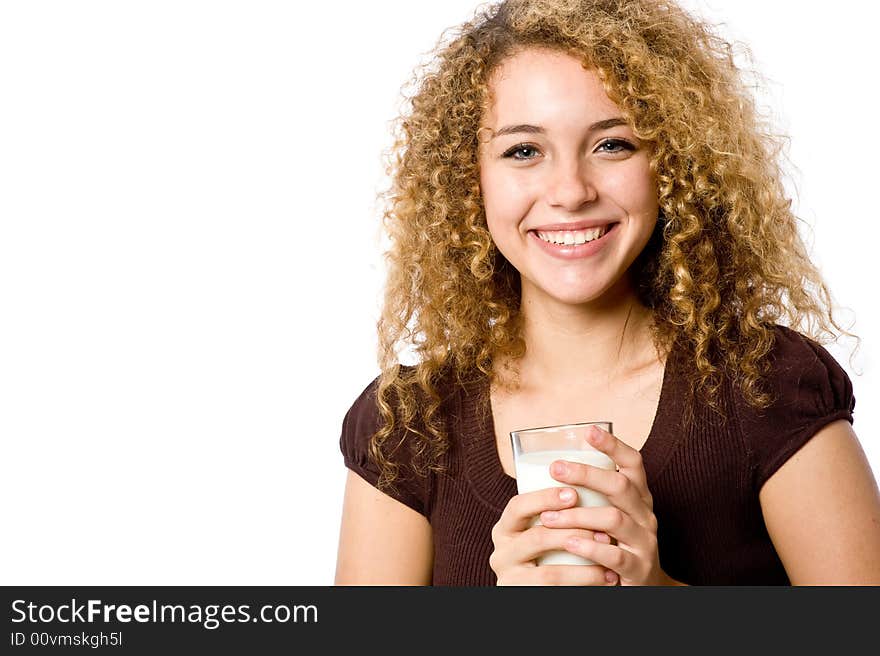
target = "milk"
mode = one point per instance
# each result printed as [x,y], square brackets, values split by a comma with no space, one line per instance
[533,473]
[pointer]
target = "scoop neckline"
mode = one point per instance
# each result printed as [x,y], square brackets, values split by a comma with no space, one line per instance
[494,487]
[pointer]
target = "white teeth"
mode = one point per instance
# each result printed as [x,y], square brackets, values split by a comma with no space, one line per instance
[569,238]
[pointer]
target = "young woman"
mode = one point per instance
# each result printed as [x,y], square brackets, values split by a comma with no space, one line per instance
[588,224]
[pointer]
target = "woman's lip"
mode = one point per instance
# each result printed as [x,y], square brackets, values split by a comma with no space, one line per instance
[576,251]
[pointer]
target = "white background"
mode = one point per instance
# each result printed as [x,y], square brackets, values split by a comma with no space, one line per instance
[190,265]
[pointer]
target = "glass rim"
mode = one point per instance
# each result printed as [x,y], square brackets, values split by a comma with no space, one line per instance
[558,427]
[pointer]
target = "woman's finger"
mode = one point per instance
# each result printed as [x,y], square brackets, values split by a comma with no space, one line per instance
[620,490]
[616,559]
[600,519]
[535,542]
[522,509]
[628,460]
[580,575]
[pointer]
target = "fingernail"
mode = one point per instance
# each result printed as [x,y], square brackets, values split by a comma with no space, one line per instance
[549,516]
[566,495]
[602,537]
[559,468]
[611,577]
[595,435]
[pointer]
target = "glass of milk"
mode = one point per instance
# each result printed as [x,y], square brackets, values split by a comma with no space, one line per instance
[534,449]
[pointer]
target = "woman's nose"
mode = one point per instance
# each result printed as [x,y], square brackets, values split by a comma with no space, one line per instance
[571,186]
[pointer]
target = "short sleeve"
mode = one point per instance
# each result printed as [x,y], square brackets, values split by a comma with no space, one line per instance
[361,421]
[810,390]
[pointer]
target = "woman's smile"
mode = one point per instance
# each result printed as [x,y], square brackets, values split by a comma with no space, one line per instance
[570,245]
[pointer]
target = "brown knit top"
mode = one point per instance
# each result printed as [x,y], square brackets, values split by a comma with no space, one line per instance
[704,478]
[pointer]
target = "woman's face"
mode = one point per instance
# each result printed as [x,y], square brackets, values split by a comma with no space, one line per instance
[557,166]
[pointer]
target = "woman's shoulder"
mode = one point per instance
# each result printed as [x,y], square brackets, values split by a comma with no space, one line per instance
[365,406]
[807,388]
[364,410]
[791,348]
[364,417]
[803,372]
[362,420]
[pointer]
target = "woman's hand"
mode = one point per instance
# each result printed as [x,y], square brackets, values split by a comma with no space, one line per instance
[518,543]
[630,519]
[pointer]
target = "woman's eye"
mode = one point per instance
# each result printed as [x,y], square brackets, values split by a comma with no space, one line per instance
[525,150]
[616,146]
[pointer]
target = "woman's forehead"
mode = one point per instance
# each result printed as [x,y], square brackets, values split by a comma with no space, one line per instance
[545,87]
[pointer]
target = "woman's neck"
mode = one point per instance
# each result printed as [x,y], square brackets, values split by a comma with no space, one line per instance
[607,342]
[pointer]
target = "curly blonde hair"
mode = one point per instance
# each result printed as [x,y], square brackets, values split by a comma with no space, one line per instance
[725,262]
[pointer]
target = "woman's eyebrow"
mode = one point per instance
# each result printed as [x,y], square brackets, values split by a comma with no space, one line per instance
[536,129]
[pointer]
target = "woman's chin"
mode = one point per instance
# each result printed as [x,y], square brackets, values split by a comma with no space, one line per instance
[571,296]
[572,289]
